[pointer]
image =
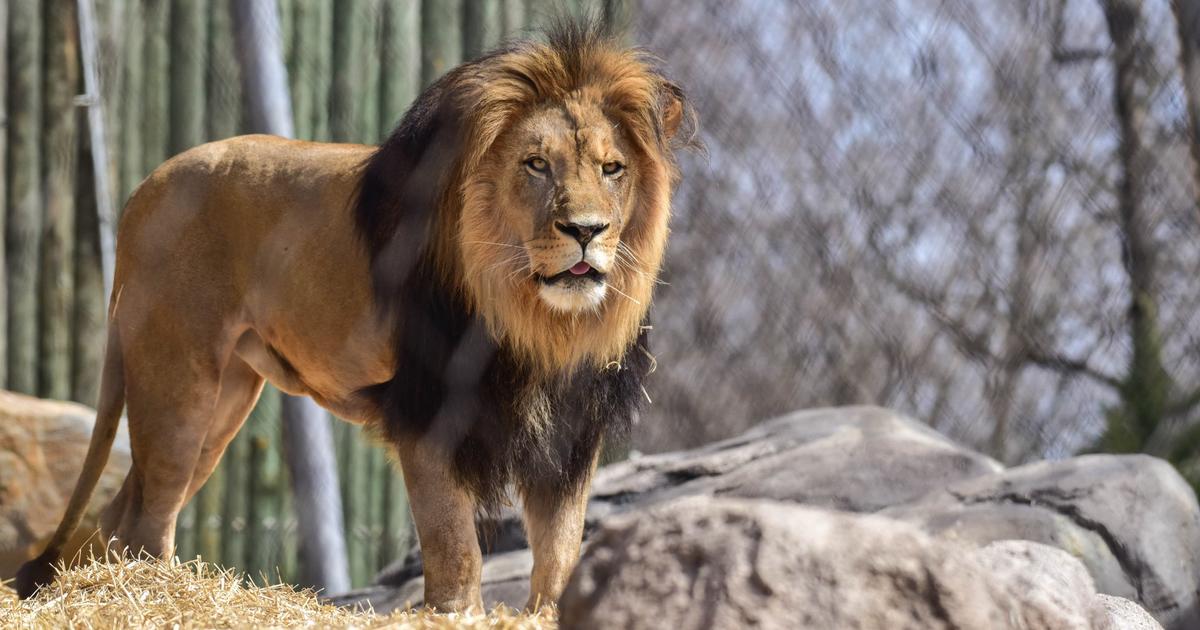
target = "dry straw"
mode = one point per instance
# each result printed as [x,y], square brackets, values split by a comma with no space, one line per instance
[152,594]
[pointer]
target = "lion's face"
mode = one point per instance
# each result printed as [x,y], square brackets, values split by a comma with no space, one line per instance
[564,199]
[564,182]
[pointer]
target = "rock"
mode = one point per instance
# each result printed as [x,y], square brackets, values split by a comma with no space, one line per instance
[812,457]
[732,563]
[505,581]
[1055,588]
[1131,519]
[42,446]
[1122,614]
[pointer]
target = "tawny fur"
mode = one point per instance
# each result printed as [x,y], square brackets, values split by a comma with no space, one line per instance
[250,260]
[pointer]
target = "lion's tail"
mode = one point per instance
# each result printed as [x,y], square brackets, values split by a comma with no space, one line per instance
[40,571]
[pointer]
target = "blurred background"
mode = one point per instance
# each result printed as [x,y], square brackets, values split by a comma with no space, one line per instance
[982,214]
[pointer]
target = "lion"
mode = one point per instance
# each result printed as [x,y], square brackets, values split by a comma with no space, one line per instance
[474,291]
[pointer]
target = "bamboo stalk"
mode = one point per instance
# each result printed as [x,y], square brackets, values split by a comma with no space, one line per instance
[266,486]
[441,38]
[89,312]
[344,110]
[4,175]
[482,26]
[131,160]
[23,226]
[156,89]
[189,60]
[514,16]
[368,101]
[235,510]
[322,47]
[400,60]
[56,277]
[224,107]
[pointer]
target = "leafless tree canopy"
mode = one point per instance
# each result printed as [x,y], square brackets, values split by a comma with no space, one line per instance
[980,213]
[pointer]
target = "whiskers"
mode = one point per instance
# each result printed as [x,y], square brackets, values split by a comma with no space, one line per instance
[626,259]
[518,262]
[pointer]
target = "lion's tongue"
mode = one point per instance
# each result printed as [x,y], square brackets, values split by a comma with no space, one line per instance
[580,268]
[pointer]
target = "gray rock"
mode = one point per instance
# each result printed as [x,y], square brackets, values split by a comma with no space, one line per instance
[812,457]
[505,581]
[1122,614]
[1132,520]
[1055,588]
[731,563]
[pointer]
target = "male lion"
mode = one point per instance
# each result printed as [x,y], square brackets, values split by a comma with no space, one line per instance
[474,290]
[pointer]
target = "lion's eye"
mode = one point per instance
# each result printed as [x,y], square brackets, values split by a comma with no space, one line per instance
[537,164]
[612,168]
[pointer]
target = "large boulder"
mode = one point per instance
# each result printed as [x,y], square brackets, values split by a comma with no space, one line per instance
[729,563]
[1132,520]
[815,457]
[42,446]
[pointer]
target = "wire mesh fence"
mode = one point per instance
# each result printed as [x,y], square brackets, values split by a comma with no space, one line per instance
[927,206]
[981,214]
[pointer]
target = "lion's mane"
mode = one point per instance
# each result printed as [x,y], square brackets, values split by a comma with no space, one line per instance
[508,389]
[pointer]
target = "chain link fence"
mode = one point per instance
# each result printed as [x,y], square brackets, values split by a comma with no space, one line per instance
[919,205]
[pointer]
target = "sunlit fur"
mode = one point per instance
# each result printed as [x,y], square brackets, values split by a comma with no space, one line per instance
[501,238]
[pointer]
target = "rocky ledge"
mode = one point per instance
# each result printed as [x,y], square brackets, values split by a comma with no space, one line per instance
[859,517]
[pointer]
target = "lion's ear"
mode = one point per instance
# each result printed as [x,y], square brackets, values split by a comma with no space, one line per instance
[678,119]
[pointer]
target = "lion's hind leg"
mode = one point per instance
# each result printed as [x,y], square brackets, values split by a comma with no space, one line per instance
[183,407]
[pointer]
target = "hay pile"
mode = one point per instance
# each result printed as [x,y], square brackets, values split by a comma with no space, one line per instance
[147,593]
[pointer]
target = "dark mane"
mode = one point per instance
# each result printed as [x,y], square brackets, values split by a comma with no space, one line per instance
[454,385]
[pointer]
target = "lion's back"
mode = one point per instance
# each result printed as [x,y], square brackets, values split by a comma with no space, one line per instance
[218,209]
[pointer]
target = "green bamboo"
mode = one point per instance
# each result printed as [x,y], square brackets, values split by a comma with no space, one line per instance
[289,553]
[224,81]
[322,47]
[210,502]
[131,161]
[23,227]
[4,14]
[368,101]
[400,65]
[482,26]
[89,312]
[57,273]
[378,512]
[539,13]
[185,532]
[514,16]
[267,485]
[398,524]
[441,38]
[188,40]
[359,502]
[302,59]
[156,88]
[235,513]
[348,50]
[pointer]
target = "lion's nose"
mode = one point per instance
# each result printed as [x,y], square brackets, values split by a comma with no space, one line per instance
[582,232]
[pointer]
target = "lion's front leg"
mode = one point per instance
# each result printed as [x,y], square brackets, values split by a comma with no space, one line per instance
[445,518]
[554,521]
